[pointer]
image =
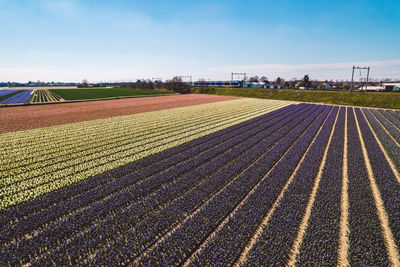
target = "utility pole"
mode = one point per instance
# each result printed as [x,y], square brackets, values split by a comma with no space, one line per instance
[360,68]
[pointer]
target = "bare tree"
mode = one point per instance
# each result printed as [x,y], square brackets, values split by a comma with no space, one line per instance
[176,79]
[254,79]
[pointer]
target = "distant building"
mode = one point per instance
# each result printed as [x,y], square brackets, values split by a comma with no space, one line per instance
[390,86]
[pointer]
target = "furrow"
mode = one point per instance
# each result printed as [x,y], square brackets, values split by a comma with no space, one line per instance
[61,195]
[382,147]
[277,237]
[366,241]
[104,227]
[320,242]
[197,226]
[395,122]
[304,224]
[57,162]
[126,182]
[86,170]
[389,126]
[73,130]
[92,139]
[382,179]
[225,244]
[392,146]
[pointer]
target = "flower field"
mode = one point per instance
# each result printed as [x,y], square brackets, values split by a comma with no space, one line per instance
[44,96]
[21,97]
[4,93]
[242,182]
[18,118]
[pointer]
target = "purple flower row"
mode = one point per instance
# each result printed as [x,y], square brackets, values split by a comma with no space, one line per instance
[367,246]
[388,186]
[191,234]
[386,123]
[22,97]
[181,163]
[170,156]
[391,147]
[6,92]
[391,116]
[276,241]
[229,242]
[56,233]
[145,230]
[320,242]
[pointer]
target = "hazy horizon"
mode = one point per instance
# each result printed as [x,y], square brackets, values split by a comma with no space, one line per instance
[72,40]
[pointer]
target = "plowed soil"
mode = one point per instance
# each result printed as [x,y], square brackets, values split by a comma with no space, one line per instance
[31,117]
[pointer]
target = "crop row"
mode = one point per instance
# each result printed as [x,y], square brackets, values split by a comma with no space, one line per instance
[13,173]
[44,96]
[4,93]
[299,185]
[69,133]
[31,180]
[320,243]
[277,238]
[228,242]
[389,142]
[128,183]
[91,147]
[22,97]
[366,241]
[163,159]
[388,185]
[139,209]
[96,143]
[190,233]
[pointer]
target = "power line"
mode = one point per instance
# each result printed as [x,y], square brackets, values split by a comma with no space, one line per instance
[359,68]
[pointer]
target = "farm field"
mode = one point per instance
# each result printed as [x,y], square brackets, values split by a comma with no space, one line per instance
[18,98]
[7,93]
[245,182]
[44,96]
[94,93]
[29,117]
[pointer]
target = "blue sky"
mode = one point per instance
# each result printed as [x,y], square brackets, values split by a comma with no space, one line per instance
[71,40]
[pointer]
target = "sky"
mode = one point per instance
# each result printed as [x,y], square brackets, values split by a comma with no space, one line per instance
[98,40]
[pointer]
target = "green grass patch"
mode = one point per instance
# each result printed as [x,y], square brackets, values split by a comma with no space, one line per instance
[96,93]
[365,99]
